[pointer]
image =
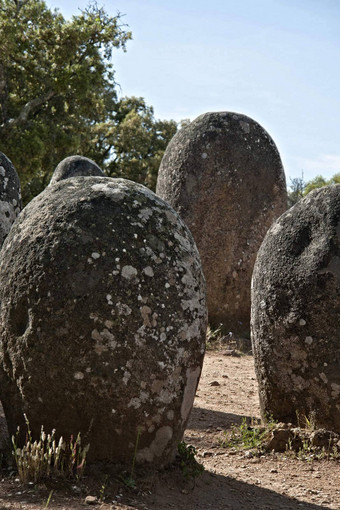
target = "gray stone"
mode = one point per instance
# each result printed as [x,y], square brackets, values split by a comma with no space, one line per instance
[102,319]
[223,175]
[295,313]
[10,196]
[75,166]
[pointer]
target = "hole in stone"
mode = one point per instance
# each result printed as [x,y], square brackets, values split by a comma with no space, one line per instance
[301,240]
[19,319]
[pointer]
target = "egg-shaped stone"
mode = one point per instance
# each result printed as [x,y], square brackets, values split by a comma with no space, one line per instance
[102,319]
[223,174]
[296,313]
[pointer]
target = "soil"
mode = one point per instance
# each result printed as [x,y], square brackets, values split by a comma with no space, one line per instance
[233,478]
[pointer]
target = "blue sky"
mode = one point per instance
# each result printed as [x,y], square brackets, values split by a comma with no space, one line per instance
[277,61]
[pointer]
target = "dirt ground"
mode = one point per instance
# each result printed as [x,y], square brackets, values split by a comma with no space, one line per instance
[232,478]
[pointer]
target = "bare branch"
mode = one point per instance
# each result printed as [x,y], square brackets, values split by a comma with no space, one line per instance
[28,108]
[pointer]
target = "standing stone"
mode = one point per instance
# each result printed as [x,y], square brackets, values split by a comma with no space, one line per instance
[10,196]
[296,313]
[75,166]
[102,319]
[223,174]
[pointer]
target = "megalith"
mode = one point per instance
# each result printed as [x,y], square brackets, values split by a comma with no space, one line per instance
[10,196]
[102,319]
[295,313]
[75,166]
[223,174]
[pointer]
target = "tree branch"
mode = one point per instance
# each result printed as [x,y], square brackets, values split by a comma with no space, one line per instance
[27,109]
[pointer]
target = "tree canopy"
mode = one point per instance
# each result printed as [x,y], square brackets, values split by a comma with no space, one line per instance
[58,96]
[299,188]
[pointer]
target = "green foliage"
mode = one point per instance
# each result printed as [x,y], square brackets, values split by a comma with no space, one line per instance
[317,182]
[245,436]
[189,465]
[128,479]
[137,142]
[58,96]
[299,188]
[48,457]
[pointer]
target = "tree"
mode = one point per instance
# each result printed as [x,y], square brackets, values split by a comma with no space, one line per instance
[299,188]
[317,182]
[296,189]
[133,145]
[58,96]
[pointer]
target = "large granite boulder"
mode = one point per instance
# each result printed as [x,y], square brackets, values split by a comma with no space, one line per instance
[296,313]
[223,174]
[102,319]
[75,166]
[10,196]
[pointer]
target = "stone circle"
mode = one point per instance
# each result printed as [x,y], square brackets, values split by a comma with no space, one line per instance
[102,319]
[223,174]
[295,313]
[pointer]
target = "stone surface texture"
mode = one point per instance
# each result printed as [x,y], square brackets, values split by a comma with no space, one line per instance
[295,313]
[223,175]
[103,319]
[10,196]
[75,166]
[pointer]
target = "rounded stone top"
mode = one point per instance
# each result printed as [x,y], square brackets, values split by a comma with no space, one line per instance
[74,166]
[103,318]
[10,196]
[219,144]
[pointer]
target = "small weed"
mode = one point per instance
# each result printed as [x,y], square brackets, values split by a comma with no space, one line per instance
[48,499]
[306,422]
[189,465]
[102,490]
[213,336]
[245,436]
[48,457]
[128,479]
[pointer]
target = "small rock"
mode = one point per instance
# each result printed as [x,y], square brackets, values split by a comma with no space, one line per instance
[207,454]
[323,438]
[91,500]
[273,470]
[214,383]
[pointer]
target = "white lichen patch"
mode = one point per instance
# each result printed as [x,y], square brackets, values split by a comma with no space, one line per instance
[95,255]
[145,214]
[116,194]
[7,216]
[335,390]
[323,377]
[145,313]
[309,340]
[162,437]
[148,271]
[123,309]
[2,171]
[129,272]
[78,375]
[105,340]
[189,391]
[184,242]
[245,126]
